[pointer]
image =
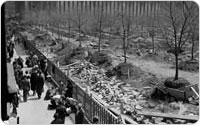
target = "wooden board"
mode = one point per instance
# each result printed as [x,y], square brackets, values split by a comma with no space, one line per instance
[167,115]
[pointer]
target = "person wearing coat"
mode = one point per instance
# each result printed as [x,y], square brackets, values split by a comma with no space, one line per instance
[40,83]
[69,90]
[44,65]
[33,81]
[25,87]
[79,117]
[57,119]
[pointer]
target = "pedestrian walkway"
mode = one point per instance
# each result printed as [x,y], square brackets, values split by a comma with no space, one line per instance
[34,111]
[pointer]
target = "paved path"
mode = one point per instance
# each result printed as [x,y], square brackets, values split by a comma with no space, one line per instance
[34,111]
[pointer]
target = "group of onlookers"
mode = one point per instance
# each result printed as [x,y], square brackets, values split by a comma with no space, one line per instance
[61,99]
[30,80]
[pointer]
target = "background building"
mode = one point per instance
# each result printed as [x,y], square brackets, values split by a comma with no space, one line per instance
[134,8]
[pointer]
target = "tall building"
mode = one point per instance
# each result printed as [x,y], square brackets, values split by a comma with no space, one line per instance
[134,8]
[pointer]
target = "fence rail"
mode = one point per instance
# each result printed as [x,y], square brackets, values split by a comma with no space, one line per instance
[91,106]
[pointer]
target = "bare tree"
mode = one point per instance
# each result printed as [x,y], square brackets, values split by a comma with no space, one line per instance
[69,24]
[194,37]
[100,25]
[110,22]
[178,18]
[125,30]
[152,31]
[79,20]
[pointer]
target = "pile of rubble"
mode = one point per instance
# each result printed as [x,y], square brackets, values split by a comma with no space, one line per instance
[115,92]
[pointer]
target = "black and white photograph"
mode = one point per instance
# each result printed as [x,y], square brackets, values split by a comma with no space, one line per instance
[100,62]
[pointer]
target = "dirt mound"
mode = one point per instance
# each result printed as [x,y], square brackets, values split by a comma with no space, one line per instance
[69,55]
[100,59]
[127,70]
[176,84]
[35,31]
[66,48]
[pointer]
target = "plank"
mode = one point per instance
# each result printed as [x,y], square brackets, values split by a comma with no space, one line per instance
[169,115]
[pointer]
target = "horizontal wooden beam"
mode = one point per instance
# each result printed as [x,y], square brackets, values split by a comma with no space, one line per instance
[169,115]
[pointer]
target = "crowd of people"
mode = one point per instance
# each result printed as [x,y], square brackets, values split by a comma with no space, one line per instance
[30,74]
[62,101]
[32,79]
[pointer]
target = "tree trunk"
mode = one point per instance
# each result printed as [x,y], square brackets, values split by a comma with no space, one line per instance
[153,45]
[58,32]
[110,34]
[69,31]
[99,46]
[79,30]
[124,44]
[192,51]
[176,67]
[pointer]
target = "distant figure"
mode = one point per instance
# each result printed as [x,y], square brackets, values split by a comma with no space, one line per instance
[11,49]
[27,75]
[57,119]
[40,83]
[35,60]
[95,120]
[25,87]
[28,62]
[61,110]
[49,94]
[79,117]
[20,61]
[69,90]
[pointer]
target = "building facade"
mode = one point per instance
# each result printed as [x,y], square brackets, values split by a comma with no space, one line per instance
[134,8]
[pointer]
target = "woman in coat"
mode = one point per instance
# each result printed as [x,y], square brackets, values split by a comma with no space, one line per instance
[33,81]
[40,83]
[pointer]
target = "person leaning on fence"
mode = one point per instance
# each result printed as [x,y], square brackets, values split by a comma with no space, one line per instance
[60,114]
[79,116]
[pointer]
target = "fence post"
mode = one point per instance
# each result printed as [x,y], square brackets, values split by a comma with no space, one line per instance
[91,106]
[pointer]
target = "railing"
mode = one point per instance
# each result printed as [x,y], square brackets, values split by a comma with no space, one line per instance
[91,106]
